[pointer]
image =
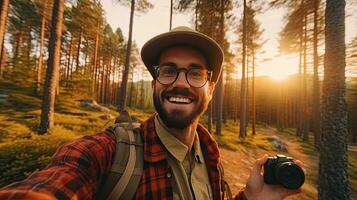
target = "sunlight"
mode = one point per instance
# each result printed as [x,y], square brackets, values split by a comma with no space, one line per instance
[278,76]
[279,68]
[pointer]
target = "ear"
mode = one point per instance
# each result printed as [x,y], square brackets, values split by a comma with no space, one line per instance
[153,82]
[211,86]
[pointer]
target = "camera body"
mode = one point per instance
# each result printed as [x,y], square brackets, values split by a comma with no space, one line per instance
[282,170]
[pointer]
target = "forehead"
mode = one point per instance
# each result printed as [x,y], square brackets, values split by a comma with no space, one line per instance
[183,56]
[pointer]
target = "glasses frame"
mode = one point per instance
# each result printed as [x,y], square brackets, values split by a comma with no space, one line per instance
[179,70]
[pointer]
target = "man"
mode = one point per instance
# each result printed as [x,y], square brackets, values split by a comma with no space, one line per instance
[181,159]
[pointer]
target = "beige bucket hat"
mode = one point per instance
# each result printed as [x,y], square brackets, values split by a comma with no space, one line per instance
[182,35]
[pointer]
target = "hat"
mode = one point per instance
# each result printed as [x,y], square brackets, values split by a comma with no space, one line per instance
[182,35]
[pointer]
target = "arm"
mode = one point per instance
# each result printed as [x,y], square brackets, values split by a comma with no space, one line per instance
[74,173]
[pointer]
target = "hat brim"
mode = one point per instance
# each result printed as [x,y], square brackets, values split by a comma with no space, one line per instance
[152,49]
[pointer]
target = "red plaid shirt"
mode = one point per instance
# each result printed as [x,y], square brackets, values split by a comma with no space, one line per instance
[78,168]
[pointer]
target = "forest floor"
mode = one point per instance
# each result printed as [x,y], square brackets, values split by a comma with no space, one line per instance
[22,151]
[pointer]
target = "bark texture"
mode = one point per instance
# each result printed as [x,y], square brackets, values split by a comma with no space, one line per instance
[48,101]
[333,176]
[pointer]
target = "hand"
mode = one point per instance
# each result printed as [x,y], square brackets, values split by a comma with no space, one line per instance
[256,189]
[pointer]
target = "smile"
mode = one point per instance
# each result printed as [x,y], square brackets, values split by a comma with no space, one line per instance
[179,100]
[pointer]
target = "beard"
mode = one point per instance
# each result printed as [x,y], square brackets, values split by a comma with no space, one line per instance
[176,119]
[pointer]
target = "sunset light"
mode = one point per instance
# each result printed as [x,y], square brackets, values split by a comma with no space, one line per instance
[258,78]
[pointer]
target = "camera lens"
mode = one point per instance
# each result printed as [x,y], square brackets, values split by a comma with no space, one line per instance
[289,175]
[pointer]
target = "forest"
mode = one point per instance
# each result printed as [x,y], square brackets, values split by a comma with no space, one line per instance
[66,72]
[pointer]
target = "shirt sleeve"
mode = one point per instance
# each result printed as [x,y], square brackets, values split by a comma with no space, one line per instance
[75,172]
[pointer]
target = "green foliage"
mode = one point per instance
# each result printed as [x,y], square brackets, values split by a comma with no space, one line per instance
[22,151]
[21,157]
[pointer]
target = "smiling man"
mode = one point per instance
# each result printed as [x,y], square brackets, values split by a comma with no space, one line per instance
[181,158]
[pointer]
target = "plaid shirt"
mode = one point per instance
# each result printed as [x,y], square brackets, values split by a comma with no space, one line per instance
[78,168]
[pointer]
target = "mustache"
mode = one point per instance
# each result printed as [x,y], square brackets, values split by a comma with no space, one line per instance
[180,91]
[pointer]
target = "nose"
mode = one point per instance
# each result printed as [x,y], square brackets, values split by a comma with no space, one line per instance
[181,81]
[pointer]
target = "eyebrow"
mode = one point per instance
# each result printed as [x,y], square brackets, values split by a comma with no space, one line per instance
[192,65]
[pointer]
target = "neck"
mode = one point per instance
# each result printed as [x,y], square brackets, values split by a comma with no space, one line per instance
[186,135]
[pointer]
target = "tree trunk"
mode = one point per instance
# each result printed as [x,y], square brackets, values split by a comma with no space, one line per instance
[28,50]
[305,131]
[124,84]
[42,41]
[79,47]
[171,9]
[219,86]
[54,47]
[316,82]
[253,92]
[243,106]
[19,42]
[196,14]
[2,56]
[69,60]
[3,21]
[333,164]
[95,57]
[299,109]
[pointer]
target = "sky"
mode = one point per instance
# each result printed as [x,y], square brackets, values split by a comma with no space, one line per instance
[156,21]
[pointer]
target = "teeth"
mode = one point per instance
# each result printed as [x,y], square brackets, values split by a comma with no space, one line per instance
[179,100]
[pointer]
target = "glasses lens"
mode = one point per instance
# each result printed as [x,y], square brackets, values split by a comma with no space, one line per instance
[197,77]
[167,74]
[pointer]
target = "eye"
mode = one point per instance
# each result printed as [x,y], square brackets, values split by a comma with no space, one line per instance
[167,71]
[197,73]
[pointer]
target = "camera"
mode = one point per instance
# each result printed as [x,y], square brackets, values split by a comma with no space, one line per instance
[283,170]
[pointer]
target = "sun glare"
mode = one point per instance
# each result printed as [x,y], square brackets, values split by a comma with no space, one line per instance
[278,76]
[279,68]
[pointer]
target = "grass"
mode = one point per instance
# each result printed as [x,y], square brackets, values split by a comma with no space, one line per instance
[22,150]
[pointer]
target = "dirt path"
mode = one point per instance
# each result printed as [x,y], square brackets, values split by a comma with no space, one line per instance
[237,165]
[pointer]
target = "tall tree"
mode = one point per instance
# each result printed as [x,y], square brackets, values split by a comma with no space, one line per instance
[143,5]
[333,164]
[316,81]
[3,20]
[219,87]
[171,10]
[254,44]
[42,41]
[49,94]
[243,102]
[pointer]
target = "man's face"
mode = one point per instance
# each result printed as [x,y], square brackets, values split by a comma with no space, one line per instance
[180,104]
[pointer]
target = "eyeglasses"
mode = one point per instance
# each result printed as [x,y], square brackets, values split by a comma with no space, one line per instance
[195,77]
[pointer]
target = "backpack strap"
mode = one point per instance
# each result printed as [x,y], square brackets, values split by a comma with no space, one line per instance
[125,174]
[224,184]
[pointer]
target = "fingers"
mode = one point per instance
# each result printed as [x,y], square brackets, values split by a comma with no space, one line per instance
[292,192]
[257,167]
[298,162]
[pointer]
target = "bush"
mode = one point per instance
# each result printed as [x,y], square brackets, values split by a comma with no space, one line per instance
[22,157]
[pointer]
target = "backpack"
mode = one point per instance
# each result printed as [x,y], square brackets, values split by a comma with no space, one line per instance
[125,174]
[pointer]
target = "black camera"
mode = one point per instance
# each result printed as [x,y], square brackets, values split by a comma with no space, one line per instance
[283,170]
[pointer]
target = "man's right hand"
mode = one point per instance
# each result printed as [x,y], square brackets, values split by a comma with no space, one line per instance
[257,189]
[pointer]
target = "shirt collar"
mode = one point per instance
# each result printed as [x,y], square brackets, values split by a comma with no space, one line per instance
[154,151]
[174,146]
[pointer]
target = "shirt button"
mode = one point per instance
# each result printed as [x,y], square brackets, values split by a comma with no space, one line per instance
[168,175]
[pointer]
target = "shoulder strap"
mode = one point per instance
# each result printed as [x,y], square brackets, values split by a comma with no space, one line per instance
[125,174]
[224,184]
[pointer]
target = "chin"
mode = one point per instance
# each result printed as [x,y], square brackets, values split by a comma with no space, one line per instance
[177,119]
